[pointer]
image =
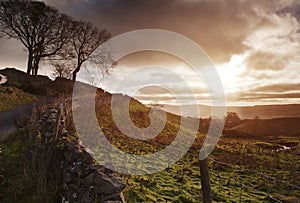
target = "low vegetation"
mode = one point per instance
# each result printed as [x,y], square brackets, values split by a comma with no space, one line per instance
[244,167]
[11,98]
[23,169]
[252,168]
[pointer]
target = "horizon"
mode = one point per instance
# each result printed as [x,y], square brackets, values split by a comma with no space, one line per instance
[153,102]
[254,48]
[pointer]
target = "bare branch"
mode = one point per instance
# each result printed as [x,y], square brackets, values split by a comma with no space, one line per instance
[41,28]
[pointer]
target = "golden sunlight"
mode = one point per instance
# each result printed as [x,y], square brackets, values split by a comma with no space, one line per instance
[230,73]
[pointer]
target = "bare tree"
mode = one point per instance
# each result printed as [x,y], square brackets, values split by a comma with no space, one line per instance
[62,71]
[41,29]
[86,38]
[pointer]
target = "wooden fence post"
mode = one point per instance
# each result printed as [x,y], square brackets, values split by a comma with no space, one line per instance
[57,124]
[205,181]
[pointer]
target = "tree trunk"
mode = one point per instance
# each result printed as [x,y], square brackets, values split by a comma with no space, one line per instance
[205,181]
[29,62]
[76,71]
[36,65]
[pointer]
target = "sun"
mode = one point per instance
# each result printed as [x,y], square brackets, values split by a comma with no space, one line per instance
[230,73]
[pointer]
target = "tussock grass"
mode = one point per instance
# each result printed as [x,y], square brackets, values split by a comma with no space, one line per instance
[11,98]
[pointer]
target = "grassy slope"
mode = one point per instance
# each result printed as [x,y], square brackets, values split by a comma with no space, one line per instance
[16,185]
[11,98]
[268,127]
[245,112]
[22,89]
[181,182]
[22,171]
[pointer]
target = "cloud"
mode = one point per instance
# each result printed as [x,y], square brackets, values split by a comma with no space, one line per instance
[220,27]
[265,33]
[12,54]
[167,98]
[285,87]
[263,60]
[146,58]
[262,96]
[173,89]
[274,45]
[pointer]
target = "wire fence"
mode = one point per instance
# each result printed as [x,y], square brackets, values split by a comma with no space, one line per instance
[242,186]
[239,178]
[237,181]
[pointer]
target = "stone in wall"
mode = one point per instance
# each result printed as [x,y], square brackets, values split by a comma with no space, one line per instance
[83,180]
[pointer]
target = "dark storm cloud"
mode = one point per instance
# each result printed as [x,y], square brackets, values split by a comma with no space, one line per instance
[218,26]
[265,31]
[292,8]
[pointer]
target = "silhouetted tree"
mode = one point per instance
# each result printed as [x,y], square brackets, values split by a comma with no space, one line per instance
[232,119]
[62,71]
[41,29]
[85,39]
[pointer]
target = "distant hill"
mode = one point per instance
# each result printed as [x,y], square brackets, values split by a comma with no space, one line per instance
[266,125]
[264,128]
[245,112]
[43,87]
[267,111]
[37,85]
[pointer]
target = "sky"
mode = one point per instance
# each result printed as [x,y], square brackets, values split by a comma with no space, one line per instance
[254,45]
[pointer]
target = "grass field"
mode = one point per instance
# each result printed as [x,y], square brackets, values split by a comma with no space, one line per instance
[11,98]
[250,160]
[230,183]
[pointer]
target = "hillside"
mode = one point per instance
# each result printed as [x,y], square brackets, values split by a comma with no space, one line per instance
[37,85]
[245,112]
[235,161]
[262,128]
[11,98]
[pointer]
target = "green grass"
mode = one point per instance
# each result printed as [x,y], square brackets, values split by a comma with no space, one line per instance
[11,98]
[181,181]
[257,154]
[24,168]
[168,185]
[15,186]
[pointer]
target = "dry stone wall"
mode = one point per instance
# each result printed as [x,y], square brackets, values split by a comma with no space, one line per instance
[82,179]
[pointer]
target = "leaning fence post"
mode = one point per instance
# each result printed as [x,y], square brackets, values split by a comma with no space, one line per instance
[205,181]
[57,124]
